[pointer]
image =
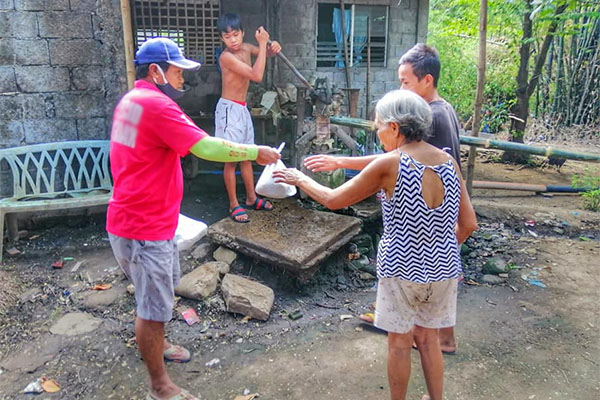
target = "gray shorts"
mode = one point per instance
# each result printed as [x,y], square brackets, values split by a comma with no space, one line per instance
[153,268]
[233,122]
[402,304]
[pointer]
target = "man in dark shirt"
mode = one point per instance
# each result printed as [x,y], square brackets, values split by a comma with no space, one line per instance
[419,72]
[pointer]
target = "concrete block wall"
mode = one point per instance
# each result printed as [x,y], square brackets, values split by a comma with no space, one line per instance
[62,69]
[407,25]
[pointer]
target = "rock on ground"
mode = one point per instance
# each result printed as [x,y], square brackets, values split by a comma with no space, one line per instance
[200,283]
[491,279]
[225,255]
[73,324]
[495,266]
[202,251]
[247,297]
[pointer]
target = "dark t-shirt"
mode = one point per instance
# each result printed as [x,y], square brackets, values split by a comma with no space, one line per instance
[444,128]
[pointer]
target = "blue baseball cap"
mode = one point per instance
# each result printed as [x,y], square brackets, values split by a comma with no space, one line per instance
[163,50]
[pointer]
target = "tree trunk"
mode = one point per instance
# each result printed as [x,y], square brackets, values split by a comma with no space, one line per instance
[479,96]
[526,88]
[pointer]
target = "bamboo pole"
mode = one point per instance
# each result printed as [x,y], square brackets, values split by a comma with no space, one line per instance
[486,143]
[479,95]
[524,148]
[128,42]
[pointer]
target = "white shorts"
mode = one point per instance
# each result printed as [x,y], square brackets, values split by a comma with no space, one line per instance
[233,122]
[403,304]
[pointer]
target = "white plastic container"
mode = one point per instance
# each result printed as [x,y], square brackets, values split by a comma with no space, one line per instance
[188,232]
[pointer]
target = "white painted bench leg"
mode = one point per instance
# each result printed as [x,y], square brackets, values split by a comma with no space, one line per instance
[13,227]
[1,234]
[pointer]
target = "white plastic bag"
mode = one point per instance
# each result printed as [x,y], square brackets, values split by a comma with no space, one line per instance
[266,185]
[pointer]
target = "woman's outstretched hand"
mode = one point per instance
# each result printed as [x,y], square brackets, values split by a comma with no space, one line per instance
[291,176]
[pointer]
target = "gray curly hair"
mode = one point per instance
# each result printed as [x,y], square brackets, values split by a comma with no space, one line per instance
[408,110]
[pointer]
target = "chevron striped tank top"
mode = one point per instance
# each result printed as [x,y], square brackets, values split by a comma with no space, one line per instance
[419,243]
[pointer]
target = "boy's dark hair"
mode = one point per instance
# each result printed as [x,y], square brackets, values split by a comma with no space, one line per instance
[141,71]
[424,60]
[229,22]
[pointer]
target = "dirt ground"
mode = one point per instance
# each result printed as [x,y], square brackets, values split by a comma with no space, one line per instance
[515,340]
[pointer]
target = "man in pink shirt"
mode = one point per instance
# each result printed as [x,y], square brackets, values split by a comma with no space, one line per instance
[150,133]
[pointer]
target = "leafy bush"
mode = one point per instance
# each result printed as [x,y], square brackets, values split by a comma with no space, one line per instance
[591,198]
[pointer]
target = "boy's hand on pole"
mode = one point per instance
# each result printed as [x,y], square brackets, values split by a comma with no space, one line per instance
[261,35]
[273,48]
[267,155]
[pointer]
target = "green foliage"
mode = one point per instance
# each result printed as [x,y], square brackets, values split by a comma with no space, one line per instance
[591,198]
[454,30]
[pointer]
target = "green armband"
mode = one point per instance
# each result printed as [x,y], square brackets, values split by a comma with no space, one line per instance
[214,149]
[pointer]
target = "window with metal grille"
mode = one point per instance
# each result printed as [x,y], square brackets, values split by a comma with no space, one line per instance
[330,39]
[190,23]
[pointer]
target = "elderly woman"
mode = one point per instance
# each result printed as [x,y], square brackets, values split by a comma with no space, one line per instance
[426,214]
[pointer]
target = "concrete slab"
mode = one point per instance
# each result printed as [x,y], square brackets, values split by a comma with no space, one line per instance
[290,236]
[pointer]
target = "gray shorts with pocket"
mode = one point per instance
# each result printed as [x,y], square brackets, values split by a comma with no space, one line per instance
[153,268]
[233,122]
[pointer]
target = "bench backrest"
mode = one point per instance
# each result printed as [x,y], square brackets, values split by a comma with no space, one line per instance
[53,168]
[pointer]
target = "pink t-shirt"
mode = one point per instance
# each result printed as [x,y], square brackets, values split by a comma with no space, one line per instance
[150,134]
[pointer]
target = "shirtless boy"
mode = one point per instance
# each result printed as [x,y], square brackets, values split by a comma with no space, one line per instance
[232,119]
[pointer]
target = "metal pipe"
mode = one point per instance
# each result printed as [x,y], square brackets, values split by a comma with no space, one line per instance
[527,187]
[287,62]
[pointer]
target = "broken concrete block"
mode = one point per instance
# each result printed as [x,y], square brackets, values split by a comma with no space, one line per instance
[289,236]
[199,283]
[247,297]
[225,255]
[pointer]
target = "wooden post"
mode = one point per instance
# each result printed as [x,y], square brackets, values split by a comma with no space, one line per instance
[300,111]
[128,42]
[346,57]
[479,96]
[367,83]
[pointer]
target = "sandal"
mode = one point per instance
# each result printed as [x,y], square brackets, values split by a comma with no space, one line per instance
[236,212]
[177,354]
[369,318]
[260,204]
[183,395]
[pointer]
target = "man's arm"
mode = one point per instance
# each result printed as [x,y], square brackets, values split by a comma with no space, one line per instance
[467,220]
[215,149]
[329,163]
[373,178]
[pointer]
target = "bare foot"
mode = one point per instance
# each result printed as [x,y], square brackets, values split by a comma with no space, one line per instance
[446,349]
[425,397]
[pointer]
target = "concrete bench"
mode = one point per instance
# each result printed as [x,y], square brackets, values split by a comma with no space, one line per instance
[52,176]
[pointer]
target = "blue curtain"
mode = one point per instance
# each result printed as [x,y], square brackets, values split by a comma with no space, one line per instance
[339,38]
